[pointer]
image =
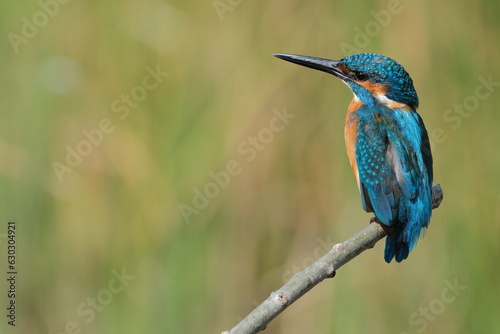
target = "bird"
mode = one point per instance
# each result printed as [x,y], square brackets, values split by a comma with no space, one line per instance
[387,145]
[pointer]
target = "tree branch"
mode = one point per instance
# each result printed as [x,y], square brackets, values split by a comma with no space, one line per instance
[323,268]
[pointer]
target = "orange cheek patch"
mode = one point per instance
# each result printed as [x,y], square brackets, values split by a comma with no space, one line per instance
[374,88]
[344,69]
[377,89]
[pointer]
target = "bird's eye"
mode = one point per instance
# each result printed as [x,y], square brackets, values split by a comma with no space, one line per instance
[360,76]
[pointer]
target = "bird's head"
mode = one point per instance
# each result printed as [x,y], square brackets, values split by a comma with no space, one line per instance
[372,78]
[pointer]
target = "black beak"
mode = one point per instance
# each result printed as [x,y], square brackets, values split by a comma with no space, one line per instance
[321,64]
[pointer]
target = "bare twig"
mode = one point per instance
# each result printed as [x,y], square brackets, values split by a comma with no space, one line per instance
[323,268]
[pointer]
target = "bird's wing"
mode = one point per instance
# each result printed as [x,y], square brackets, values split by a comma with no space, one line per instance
[377,179]
[389,161]
[411,147]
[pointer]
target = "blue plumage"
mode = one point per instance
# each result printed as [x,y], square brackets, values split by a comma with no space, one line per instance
[387,145]
[395,174]
[392,151]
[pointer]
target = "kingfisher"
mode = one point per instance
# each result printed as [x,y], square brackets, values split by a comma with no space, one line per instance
[387,145]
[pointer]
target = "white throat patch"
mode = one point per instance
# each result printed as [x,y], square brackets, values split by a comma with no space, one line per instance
[383,99]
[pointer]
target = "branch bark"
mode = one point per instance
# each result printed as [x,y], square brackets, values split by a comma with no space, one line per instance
[308,278]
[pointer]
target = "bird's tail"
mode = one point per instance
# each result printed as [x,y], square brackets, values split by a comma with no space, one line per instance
[396,245]
[400,249]
[406,222]
[412,223]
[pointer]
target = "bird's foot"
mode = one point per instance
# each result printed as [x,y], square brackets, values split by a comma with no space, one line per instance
[389,230]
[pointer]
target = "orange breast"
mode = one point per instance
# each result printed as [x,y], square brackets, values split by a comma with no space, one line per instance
[351,134]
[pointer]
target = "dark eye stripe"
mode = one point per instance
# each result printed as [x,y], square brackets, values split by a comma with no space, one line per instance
[360,76]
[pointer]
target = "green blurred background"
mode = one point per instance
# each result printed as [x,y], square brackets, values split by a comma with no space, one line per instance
[124,207]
